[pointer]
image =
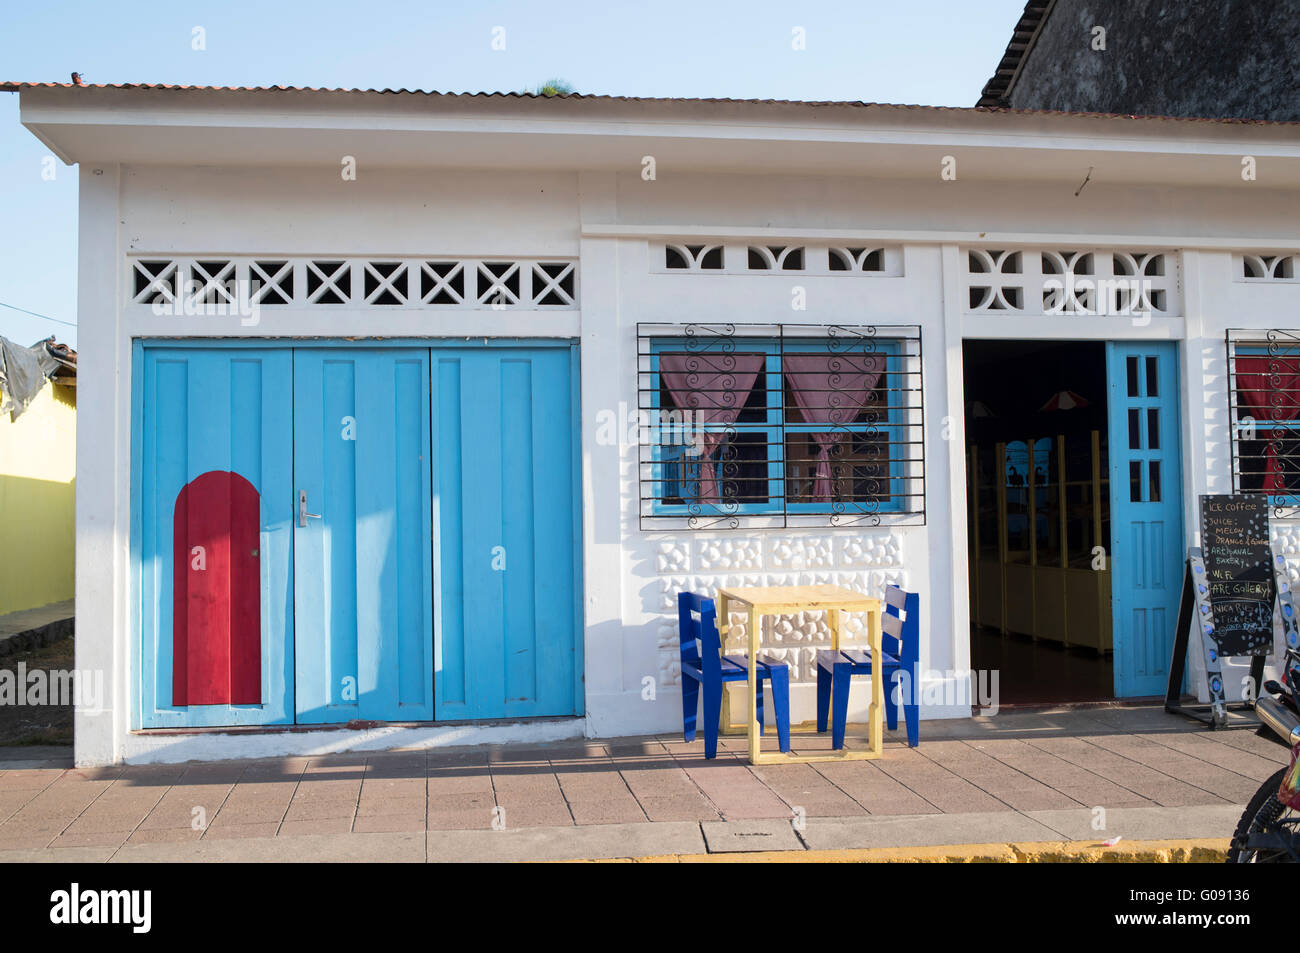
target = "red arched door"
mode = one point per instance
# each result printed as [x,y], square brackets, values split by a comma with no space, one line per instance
[217,621]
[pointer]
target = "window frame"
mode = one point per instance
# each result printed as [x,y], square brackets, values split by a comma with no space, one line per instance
[770,427]
[891,428]
[1259,343]
[903,499]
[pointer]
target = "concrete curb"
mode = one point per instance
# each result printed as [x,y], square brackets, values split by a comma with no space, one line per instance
[1201,851]
[1140,835]
[677,842]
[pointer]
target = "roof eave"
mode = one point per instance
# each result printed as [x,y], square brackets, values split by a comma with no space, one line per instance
[140,125]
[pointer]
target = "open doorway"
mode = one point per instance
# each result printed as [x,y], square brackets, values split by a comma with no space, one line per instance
[1038,492]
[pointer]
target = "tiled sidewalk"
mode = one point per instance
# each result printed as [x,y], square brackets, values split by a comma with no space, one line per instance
[1112,757]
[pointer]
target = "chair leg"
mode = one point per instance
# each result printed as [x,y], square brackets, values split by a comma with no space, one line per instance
[690,705]
[781,705]
[712,713]
[823,697]
[893,685]
[840,715]
[912,712]
[758,691]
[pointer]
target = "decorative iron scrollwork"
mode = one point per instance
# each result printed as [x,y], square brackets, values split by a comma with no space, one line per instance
[1264,415]
[790,425]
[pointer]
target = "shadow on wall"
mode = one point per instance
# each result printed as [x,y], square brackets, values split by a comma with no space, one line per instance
[657,654]
[1215,423]
[37,542]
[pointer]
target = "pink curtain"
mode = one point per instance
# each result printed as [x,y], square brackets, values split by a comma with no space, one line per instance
[831,389]
[1269,387]
[714,386]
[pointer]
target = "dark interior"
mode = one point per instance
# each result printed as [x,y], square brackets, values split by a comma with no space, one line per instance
[1039,607]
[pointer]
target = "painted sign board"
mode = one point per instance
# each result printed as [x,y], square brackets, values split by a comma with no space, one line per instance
[1230,588]
[1239,572]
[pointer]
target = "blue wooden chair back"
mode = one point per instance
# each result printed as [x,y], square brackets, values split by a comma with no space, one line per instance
[700,644]
[900,626]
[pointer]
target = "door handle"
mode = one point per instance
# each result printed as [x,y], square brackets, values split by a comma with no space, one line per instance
[303,515]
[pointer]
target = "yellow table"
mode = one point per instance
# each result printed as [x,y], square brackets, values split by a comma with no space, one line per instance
[788,600]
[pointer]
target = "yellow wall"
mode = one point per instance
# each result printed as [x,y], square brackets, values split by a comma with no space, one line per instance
[38,465]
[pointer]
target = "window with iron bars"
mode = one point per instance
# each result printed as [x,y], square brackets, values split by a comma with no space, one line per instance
[779,425]
[1264,407]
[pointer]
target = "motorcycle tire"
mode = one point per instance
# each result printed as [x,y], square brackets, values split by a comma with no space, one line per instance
[1262,813]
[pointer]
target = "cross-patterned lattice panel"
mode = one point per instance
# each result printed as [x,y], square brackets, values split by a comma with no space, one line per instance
[194,285]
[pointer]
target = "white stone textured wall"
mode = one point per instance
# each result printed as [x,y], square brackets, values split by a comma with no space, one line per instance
[631,573]
[1218,300]
[655,564]
[866,560]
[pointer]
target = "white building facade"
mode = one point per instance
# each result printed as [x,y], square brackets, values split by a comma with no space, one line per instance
[497,291]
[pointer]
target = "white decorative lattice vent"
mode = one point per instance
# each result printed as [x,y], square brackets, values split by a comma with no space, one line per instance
[753,258]
[1089,281]
[417,283]
[1000,293]
[693,257]
[1268,267]
[776,258]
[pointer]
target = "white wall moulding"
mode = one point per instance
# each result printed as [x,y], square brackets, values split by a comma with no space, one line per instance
[1265,267]
[191,285]
[766,257]
[679,233]
[1082,282]
[779,426]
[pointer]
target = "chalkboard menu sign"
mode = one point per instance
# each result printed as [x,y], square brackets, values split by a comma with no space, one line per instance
[1239,570]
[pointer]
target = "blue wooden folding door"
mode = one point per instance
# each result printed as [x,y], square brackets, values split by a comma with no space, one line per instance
[343,532]
[508,639]
[363,592]
[212,530]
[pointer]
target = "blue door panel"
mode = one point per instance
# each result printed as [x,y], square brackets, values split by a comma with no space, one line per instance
[200,411]
[363,563]
[1146,511]
[505,533]
[450,666]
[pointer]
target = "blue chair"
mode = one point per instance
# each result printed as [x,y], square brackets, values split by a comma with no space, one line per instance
[703,664]
[900,645]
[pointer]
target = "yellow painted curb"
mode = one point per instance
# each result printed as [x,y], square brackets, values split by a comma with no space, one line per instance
[1199,851]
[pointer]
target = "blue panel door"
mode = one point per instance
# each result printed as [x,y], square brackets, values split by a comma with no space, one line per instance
[506,536]
[220,418]
[362,558]
[1146,511]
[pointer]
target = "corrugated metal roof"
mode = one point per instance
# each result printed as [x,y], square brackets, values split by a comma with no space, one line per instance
[17,86]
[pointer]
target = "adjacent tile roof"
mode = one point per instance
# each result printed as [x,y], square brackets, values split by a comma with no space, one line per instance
[17,86]
[997,90]
[67,358]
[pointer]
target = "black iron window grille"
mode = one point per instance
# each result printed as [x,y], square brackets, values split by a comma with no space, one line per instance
[1264,412]
[779,425]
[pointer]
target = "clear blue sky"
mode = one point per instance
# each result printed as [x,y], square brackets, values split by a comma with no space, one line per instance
[936,52]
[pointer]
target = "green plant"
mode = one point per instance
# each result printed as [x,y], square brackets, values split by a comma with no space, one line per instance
[554,87]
